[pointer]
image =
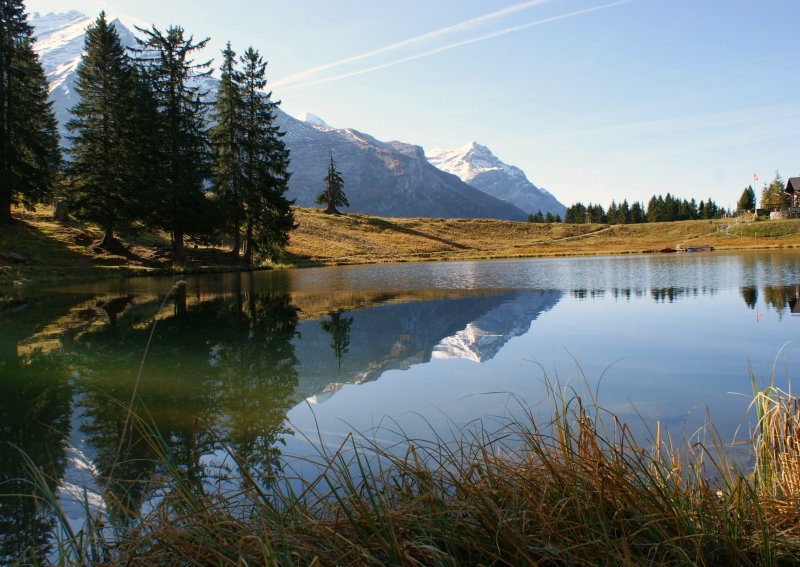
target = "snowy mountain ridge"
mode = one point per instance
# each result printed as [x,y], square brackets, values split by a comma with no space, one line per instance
[59,44]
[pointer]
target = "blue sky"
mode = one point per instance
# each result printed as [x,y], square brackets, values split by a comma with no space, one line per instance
[594,99]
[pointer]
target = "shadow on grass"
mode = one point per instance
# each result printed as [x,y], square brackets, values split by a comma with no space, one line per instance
[388,225]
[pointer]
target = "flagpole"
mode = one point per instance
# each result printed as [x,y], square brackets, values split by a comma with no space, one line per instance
[755,180]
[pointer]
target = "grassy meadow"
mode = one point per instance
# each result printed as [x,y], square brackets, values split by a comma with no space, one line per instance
[37,249]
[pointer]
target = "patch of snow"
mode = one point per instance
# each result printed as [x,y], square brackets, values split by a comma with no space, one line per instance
[314,120]
[466,162]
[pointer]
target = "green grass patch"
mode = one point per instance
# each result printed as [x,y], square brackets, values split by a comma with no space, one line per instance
[767,229]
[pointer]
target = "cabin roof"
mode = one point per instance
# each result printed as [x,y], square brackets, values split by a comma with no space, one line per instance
[792,185]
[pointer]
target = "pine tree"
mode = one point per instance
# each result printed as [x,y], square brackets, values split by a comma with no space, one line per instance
[226,139]
[637,213]
[339,330]
[747,202]
[182,154]
[772,196]
[251,161]
[576,214]
[29,151]
[333,195]
[268,214]
[108,172]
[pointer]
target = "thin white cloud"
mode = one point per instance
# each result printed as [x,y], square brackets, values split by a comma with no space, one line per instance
[304,78]
[462,26]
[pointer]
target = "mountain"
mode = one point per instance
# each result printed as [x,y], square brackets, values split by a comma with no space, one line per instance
[396,336]
[391,179]
[483,337]
[314,120]
[479,167]
[59,43]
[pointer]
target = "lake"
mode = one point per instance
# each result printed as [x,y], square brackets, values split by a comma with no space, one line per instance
[272,364]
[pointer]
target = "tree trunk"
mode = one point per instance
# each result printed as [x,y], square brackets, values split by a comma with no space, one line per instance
[180,301]
[237,241]
[177,245]
[5,206]
[331,210]
[248,243]
[60,212]
[108,238]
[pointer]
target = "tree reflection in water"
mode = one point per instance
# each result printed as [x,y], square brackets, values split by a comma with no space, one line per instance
[219,371]
[35,413]
[339,329]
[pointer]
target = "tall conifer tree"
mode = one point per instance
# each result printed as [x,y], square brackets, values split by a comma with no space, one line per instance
[251,161]
[333,195]
[226,139]
[747,202]
[268,214]
[183,149]
[772,195]
[108,169]
[29,151]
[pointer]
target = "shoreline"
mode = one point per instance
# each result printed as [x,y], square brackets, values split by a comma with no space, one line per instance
[36,250]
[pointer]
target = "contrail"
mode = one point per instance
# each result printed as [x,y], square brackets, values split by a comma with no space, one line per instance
[440,49]
[462,26]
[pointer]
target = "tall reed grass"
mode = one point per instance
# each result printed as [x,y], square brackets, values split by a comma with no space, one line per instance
[577,489]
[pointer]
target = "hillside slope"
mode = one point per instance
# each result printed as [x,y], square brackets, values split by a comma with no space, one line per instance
[38,249]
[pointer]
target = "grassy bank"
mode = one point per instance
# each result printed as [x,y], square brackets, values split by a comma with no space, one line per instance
[35,248]
[322,239]
[576,490]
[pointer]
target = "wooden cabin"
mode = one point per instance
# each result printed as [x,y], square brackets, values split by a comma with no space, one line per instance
[793,191]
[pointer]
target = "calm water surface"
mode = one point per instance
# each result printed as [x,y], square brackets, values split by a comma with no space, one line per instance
[263,362]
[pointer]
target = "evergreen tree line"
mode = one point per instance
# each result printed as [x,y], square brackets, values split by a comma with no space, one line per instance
[147,146]
[659,209]
[538,217]
[670,208]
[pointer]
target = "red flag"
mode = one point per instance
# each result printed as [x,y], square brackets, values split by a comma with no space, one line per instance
[755,177]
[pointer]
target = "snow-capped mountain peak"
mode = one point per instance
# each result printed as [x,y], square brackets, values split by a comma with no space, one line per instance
[466,162]
[314,120]
[476,165]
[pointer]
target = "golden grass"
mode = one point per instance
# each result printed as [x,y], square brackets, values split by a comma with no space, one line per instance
[56,252]
[353,239]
